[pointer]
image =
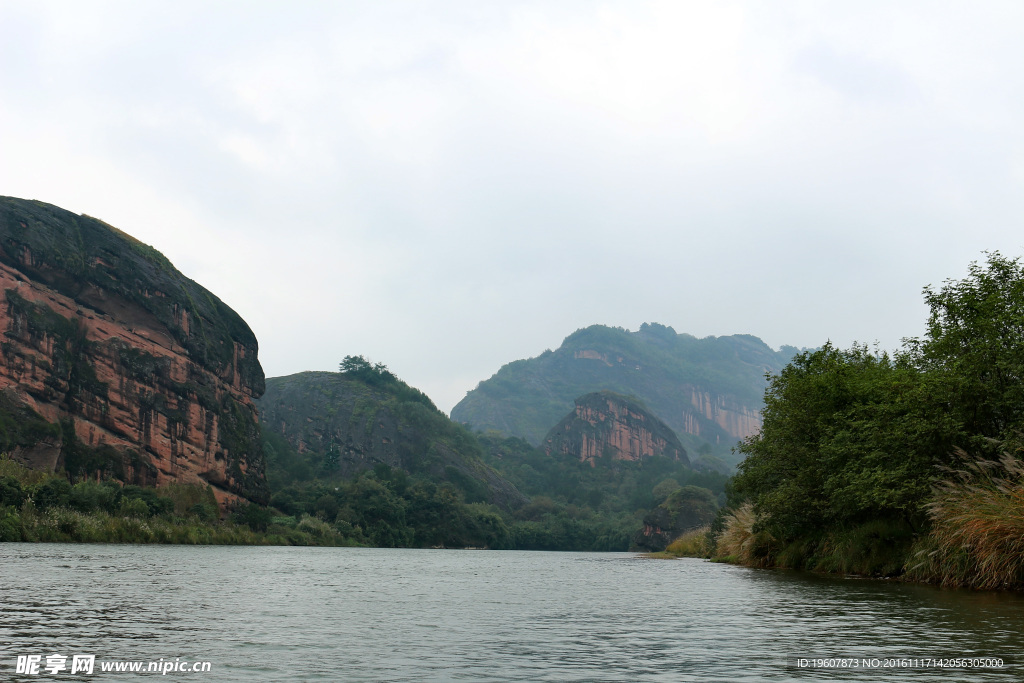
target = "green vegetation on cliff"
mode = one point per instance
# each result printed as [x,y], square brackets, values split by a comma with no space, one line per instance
[669,372]
[339,424]
[908,463]
[578,506]
[375,460]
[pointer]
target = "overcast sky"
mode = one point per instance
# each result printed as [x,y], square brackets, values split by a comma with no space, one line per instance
[449,186]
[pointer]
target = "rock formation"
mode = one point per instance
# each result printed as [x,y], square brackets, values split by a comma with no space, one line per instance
[114,364]
[605,425]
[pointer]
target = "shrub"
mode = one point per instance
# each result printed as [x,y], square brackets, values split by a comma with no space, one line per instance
[876,548]
[11,492]
[314,526]
[10,525]
[54,493]
[89,496]
[254,516]
[135,508]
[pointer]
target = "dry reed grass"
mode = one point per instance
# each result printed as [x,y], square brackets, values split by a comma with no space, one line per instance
[693,543]
[977,537]
[738,542]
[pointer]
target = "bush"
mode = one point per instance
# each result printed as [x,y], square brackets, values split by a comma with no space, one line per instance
[135,507]
[89,496]
[10,525]
[11,492]
[254,516]
[315,527]
[54,493]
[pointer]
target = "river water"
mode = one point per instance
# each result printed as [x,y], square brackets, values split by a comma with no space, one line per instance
[344,614]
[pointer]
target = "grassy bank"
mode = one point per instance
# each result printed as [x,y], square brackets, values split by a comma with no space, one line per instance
[41,507]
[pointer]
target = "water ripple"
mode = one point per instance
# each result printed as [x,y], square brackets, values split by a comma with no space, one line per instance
[419,615]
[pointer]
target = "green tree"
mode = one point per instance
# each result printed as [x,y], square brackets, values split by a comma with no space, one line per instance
[848,436]
[374,374]
[974,350]
[255,516]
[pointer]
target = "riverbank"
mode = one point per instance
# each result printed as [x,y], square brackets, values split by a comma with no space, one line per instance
[41,507]
[975,539]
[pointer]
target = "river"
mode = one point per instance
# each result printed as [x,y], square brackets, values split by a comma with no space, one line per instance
[345,614]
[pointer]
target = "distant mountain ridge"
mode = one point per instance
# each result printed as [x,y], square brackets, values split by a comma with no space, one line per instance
[709,391]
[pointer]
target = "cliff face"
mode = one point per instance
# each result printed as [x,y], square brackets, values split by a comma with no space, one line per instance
[343,426]
[121,365]
[606,425]
[727,413]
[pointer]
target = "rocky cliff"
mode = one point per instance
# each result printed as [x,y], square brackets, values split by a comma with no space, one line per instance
[605,425]
[709,391]
[114,364]
[341,425]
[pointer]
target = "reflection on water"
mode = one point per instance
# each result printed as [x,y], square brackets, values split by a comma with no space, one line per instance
[423,615]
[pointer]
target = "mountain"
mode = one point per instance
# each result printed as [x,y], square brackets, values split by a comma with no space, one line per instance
[116,365]
[709,391]
[607,426]
[341,424]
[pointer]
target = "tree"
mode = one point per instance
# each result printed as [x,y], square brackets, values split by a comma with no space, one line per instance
[374,374]
[849,436]
[974,350]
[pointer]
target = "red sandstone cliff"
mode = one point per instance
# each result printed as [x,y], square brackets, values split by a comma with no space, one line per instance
[151,378]
[607,425]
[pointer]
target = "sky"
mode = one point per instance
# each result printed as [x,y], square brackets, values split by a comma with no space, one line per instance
[445,187]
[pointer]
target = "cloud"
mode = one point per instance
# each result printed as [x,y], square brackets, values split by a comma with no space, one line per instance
[449,186]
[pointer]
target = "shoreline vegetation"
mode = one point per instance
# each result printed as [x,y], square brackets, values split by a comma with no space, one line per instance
[908,466]
[44,508]
[976,537]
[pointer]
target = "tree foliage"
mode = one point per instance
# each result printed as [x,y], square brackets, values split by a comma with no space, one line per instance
[975,348]
[856,437]
[378,376]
